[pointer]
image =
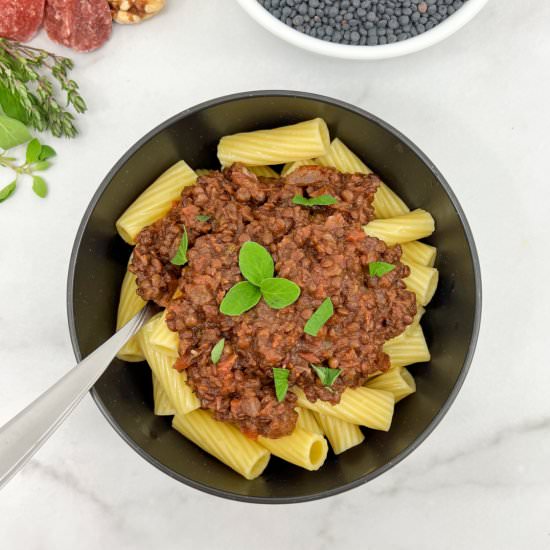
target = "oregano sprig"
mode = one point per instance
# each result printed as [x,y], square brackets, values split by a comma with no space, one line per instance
[257,267]
[12,134]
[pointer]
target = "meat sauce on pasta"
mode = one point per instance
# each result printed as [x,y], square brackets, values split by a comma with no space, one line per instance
[322,249]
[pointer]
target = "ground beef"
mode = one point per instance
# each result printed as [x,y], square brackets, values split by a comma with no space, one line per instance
[20,19]
[322,249]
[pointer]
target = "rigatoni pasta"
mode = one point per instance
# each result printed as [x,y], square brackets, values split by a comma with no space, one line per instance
[276,146]
[305,449]
[402,229]
[341,435]
[228,377]
[223,441]
[128,306]
[398,381]
[155,201]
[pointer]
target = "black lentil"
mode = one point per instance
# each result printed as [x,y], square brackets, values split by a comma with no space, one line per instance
[362,22]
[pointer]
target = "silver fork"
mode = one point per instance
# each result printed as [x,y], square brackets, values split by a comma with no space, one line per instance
[24,434]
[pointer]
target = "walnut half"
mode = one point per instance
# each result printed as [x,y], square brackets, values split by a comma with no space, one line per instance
[129,12]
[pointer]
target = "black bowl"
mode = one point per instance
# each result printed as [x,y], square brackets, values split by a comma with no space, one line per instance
[99,258]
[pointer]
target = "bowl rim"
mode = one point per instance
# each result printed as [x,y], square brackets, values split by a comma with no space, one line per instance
[469,237]
[348,51]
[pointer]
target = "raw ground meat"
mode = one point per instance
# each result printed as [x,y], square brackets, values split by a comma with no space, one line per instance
[20,19]
[83,25]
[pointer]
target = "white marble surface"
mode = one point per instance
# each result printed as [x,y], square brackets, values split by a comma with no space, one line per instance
[479,106]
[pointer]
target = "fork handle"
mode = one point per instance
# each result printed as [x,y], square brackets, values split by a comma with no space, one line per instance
[24,434]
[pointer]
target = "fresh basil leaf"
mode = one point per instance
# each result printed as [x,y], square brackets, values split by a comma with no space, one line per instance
[39,186]
[7,192]
[217,351]
[319,317]
[47,153]
[240,298]
[377,269]
[33,151]
[280,379]
[12,133]
[255,262]
[326,374]
[11,105]
[41,165]
[203,218]
[181,255]
[321,200]
[279,293]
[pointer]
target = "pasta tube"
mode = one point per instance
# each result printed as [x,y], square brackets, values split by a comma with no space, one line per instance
[162,339]
[291,166]
[422,281]
[397,381]
[130,303]
[202,171]
[174,383]
[408,350]
[163,407]
[155,201]
[223,441]
[305,449]
[387,204]
[362,406]
[418,253]
[263,171]
[341,435]
[279,145]
[307,421]
[401,229]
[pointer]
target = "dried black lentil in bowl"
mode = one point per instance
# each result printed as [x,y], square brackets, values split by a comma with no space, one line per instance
[362,22]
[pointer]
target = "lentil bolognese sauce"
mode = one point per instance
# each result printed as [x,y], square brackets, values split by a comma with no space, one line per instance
[322,248]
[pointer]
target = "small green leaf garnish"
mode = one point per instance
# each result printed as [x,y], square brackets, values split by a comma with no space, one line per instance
[326,374]
[181,255]
[7,192]
[319,317]
[279,293]
[280,378]
[240,298]
[12,133]
[321,200]
[377,269]
[255,263]
[47,152]
[217,351]
[39,186]
[202,218]
[41,165]
[33,151]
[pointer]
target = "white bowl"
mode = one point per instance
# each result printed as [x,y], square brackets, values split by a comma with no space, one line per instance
[449,26]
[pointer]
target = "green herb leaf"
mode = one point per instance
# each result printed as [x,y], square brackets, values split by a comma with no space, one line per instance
[41,165]
[203,218]
[12,106]
[320,316]
[255,262]
[47,153]
[377,269]
[326,374]
[279,293]
[12,133]
[181,255]
[240,298]
[217,351]
[280,378]
[7,191]
[33,151]
[321,200]
[39,186]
